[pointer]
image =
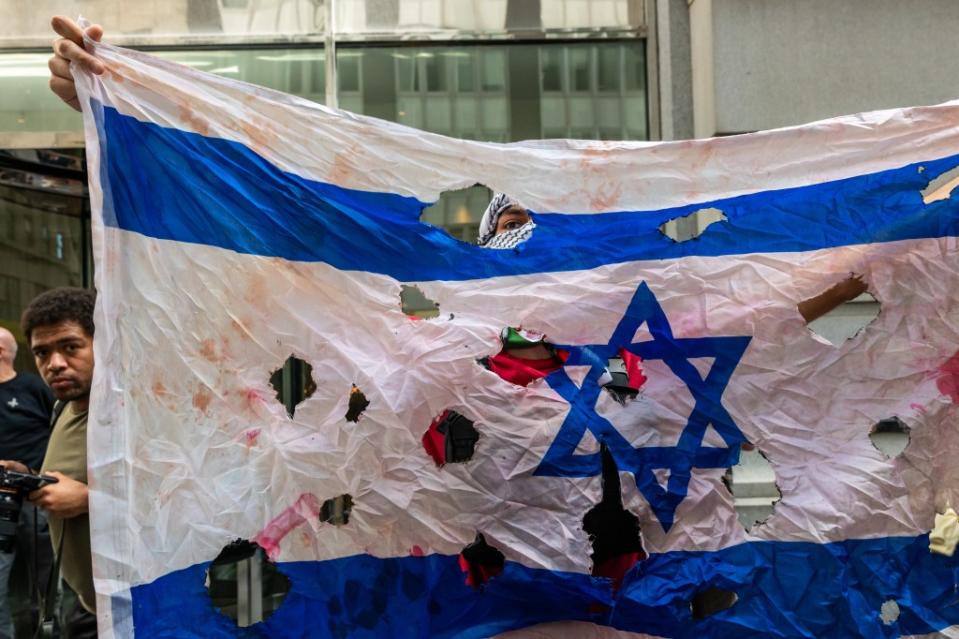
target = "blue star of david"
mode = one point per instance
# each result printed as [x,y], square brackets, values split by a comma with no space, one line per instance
[561,459]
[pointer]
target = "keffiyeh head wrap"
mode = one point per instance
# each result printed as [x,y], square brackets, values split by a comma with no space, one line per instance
[487,230]
[510,239]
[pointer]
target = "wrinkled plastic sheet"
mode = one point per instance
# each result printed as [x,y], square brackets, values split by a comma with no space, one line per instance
[235,226]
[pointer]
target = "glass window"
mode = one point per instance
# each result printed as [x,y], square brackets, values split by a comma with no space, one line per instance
[465,75]
[37,117]
[551,68]
[609,68]
[608,111]
[634,68]
[205,21]
[495,114]
[493,62]
[459,212]
[554,113]
[298,71]
[410,112]
[348,71]
[410,16]
[579,68]
[439,115]
[435,70]
[450,102]
[466,112]
[44,231]
[26,104]
[405,71]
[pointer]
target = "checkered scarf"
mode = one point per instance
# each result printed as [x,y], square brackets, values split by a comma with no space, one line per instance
[487,230]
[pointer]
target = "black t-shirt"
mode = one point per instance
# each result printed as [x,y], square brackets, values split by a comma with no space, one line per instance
[25,407]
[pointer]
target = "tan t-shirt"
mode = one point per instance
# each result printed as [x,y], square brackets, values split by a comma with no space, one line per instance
[67,453]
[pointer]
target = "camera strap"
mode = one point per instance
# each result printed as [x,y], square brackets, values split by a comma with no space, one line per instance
[48,599]
[58,407]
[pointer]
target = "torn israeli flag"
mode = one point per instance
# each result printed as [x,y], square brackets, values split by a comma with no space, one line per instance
[236,226]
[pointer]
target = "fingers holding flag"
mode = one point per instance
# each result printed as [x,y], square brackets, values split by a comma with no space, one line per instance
[67,49]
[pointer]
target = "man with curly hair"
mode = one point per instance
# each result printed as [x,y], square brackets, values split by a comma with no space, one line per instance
[58,326]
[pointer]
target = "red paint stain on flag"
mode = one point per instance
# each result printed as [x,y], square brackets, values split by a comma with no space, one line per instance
[306,507]
[947,378]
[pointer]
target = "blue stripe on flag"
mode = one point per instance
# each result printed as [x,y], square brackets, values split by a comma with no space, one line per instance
[784,589]
[170,184]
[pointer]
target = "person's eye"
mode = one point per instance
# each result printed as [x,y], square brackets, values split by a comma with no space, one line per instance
[71,348]
[513,224]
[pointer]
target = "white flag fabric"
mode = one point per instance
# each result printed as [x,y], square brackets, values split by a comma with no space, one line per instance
[235,227]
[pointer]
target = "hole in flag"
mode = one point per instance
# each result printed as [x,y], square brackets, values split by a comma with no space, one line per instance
[450,439]
[481,562]
[941,187]
[841,311]
[689,227]
[414,303]
[337,510]
[613,531]
[752,483]
[230,583]
[458,212]
[293,383]
[624,376]
[890,436]
[708,602]
[526,356]
[357,404]
[889,612]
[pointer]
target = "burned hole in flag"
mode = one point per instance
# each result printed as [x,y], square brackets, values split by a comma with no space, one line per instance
[293,383]
[337,510]
[840,312]
[481,562]
[711,601]
[614,532]
[458,212]
[941,187]
[228,580]
[624,376]
[752,484]
[356,404]
[415,304]
[526,356]
[890,436]
[889,612]
[691,226]
[450,439]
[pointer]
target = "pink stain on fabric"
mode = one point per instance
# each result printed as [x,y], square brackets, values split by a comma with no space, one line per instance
[947,378]
[416,551]
[251,399]
[251,436]
[918,407]
[306,507]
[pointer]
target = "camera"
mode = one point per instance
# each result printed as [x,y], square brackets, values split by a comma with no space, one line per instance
[13,486]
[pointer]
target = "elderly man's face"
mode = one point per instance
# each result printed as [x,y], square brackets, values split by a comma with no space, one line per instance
[512,218]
